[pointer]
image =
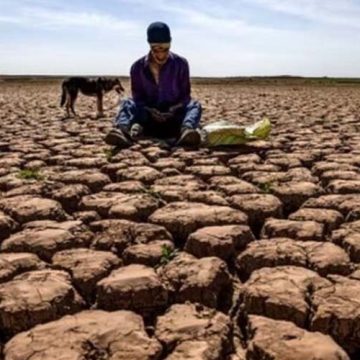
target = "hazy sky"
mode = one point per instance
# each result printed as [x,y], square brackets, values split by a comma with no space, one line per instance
[219,38]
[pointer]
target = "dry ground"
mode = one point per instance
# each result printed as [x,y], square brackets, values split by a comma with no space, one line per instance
[154,253]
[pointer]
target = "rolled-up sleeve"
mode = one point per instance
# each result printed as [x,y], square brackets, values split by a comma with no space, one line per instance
[185,86]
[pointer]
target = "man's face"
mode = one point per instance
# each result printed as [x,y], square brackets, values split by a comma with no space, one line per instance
[160,52]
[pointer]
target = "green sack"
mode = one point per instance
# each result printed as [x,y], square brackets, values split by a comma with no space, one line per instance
[224,133]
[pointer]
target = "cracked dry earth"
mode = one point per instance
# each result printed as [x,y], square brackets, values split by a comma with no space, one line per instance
[262,242]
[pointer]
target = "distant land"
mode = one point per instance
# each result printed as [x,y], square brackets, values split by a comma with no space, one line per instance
[255,80]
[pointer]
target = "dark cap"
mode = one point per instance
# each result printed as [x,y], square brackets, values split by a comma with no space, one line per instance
[158,32]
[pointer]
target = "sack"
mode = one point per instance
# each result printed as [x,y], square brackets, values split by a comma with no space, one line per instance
[225,133]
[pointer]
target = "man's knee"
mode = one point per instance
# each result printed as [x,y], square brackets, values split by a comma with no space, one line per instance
[127,104]
[192,114]
[194,104]
[126,114]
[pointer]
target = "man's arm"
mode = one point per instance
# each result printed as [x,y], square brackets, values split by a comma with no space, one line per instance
[137,90]
[185,86]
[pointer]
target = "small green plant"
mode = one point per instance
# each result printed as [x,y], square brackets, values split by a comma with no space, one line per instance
[30,174]
[266,187]
[167,254]
[155,195]
[110,153]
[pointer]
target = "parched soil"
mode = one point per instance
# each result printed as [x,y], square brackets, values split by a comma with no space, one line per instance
[152,252]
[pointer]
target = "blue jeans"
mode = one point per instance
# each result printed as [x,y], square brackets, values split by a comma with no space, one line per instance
[130,114]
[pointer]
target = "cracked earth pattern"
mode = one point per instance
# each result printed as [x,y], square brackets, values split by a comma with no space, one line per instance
[251,253]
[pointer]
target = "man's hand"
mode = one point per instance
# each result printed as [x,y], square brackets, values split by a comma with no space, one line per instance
[175,108]
[167,115]
[157,115]
[164,116]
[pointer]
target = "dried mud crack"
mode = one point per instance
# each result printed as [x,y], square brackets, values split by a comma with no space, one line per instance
[170,253]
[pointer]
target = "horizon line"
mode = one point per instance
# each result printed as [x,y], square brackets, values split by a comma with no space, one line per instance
[193,77]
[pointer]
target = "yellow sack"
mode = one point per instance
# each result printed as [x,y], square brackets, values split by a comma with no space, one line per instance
[223,133]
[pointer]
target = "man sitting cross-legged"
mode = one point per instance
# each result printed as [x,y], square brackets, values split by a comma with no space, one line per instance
[161,105]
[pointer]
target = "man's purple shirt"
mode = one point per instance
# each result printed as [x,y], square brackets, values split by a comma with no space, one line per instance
[174,83]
